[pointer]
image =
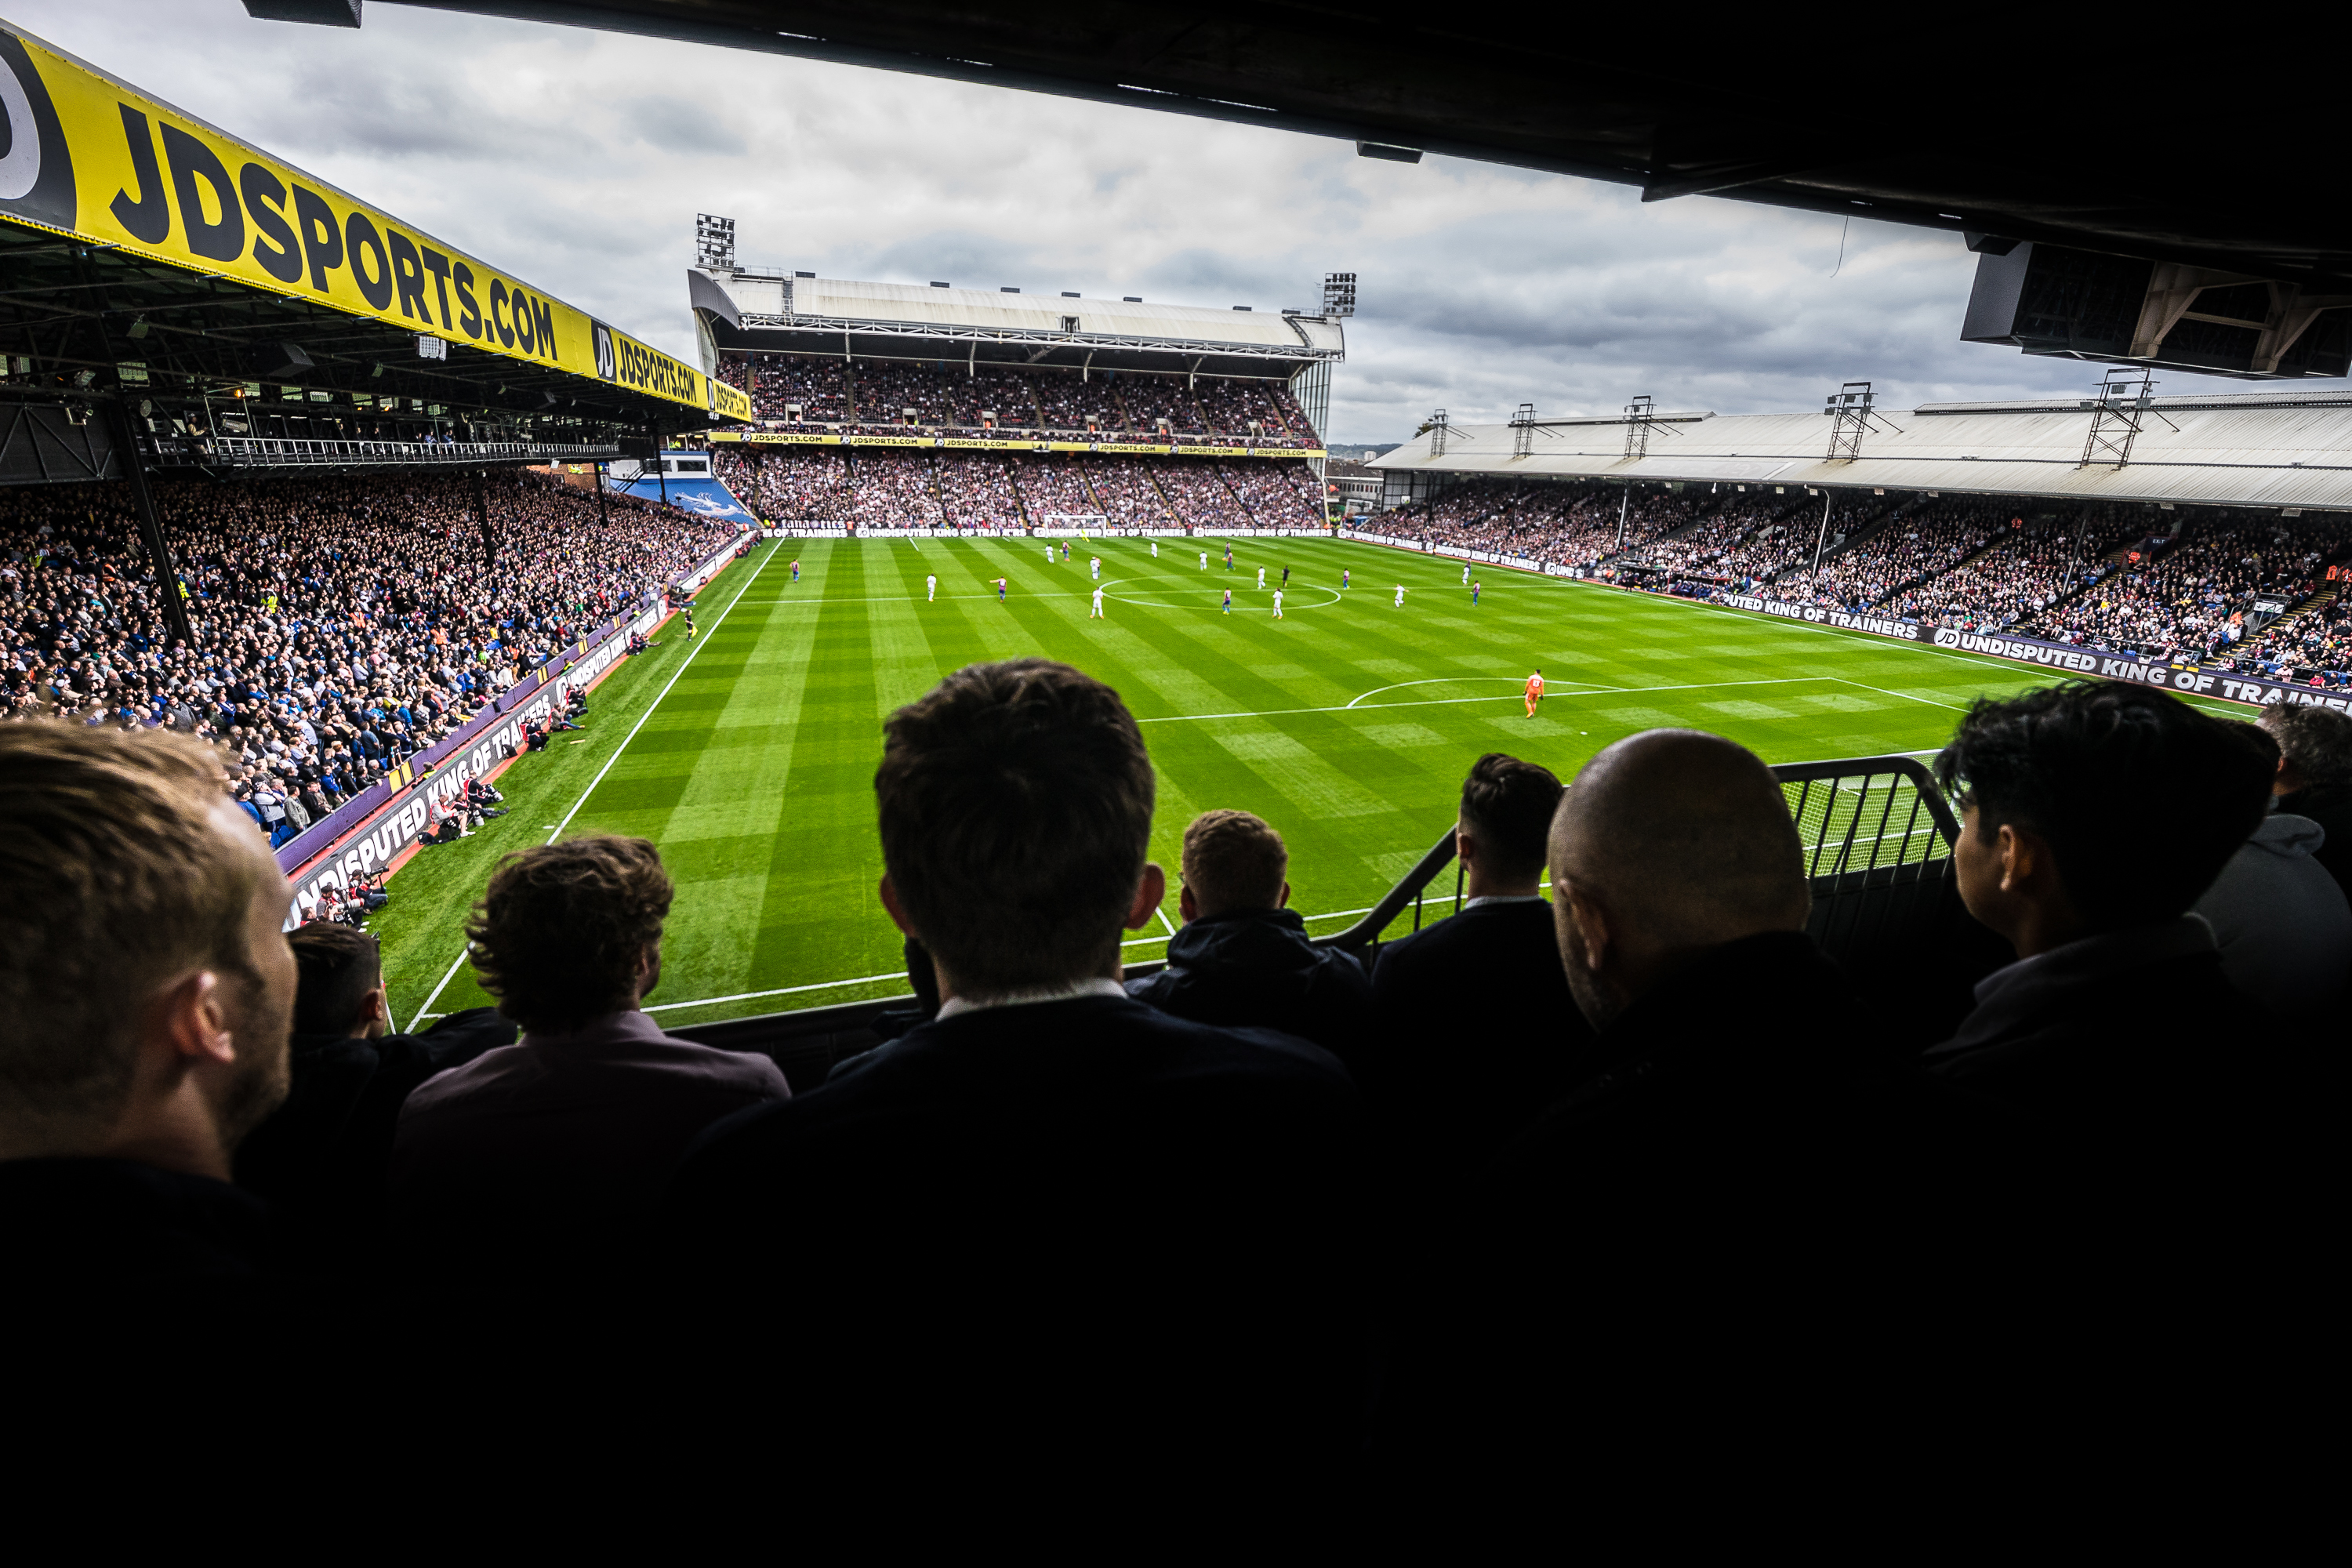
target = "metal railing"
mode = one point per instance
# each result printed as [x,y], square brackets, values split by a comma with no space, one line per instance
[274,452]
[1877,838]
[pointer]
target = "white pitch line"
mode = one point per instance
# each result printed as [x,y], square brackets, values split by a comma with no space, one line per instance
[692,654]
[1444,702]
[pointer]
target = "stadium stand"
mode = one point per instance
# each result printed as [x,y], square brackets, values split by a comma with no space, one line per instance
[893,489]
[976,490]
[1197,493]
[1127,493]
[1054,486]
[788,484]
[341,625]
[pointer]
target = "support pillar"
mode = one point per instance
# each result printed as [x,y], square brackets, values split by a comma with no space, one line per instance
[150,525]
[1624,505]
[482,516]
[1821,538]
[602,520]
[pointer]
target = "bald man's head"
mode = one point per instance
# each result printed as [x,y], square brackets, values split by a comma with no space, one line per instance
[1670,840]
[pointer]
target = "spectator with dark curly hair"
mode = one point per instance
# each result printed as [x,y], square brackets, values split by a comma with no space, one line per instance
[544,1150]
[2093,814]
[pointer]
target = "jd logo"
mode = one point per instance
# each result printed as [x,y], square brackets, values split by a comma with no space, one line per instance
[607,366]
[36,178]
[1946,637]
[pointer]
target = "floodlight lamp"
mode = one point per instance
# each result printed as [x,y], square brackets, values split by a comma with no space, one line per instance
[139,328]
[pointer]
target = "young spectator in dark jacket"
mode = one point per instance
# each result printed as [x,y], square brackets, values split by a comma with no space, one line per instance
[322,1156]
[1477,1034]
[1135,1229]
[545,1151]
[2314,777]
[2093,816]
[1243,956]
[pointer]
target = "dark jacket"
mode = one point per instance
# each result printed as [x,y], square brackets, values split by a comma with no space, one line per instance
[77,1228]
[322,1156]
[537,1156]
[1128,1227]
[1476,1033]
[1256,969]
[2108,1030]
[2332,809]
[1735,1213]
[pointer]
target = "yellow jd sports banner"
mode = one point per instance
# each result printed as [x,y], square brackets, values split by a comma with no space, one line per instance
[91,156]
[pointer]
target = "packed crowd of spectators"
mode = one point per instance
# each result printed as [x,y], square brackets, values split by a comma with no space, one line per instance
[2195,593]
[1565,524]
[798,484]
[1127,494]
[893,489]
[872,398]
[1909,550]
[1790,541]
[1692,552]
[1633,1170]
[340,625]
[1053,485]
[1277,494]
[1198,494]
[976,490]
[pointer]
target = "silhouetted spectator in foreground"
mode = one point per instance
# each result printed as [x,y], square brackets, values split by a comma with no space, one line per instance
[1728,1219]
[1243,957]
[2314,777]
[547,1150]
[2281,923]
[2093,816]
[1477,1031]
[144,997]
[322,1156]
[1126,1232]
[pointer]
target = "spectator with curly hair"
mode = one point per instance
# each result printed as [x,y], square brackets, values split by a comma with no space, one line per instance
[538,1151]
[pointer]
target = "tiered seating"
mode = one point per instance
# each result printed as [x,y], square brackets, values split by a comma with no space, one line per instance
[1126,493]
[1004,393]
[1199,493]
[885,390]
[342,624]
[813,384]
[1053,487]
[1066,402]
[893,489]
[789,485]
[976,490]
[1276,491]
[1909,550]
[1149,399]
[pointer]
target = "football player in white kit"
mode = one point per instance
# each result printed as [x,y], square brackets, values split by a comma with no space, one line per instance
[1204,560]
[1400,604]
[1155,550]
[931,583]
[1097,611]
[1465,574]
[1097,566]
[1277,603]
[1261,579]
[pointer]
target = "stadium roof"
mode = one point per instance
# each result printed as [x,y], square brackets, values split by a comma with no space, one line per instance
[1910,118]
[2285,450]
[761,310]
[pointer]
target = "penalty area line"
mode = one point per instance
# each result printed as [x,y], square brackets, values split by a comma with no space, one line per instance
[557,832]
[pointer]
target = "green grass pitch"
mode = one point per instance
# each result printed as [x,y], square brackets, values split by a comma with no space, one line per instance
[749,754]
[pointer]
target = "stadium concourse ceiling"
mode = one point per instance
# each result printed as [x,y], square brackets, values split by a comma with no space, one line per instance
[2082,128]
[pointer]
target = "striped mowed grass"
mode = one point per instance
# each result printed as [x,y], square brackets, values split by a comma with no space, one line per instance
[748,754]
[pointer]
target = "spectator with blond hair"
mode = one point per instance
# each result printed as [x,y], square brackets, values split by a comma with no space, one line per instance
[147,993]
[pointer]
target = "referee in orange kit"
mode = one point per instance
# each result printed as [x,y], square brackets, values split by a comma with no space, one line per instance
[1535,691]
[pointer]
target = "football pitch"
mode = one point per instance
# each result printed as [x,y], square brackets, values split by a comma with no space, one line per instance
[747,755]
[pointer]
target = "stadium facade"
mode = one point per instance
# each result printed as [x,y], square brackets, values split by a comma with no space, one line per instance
[923,405]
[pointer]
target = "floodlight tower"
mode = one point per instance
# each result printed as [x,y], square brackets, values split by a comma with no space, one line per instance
[1437,428]
[1339,295]
[1849,412]
[1523,430]
[1638,415]
[714,243]
[2118,410]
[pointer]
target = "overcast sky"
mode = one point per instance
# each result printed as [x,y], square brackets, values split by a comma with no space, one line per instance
[578,160]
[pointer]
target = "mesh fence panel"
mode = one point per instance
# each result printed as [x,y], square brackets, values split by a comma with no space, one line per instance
[1862,822]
